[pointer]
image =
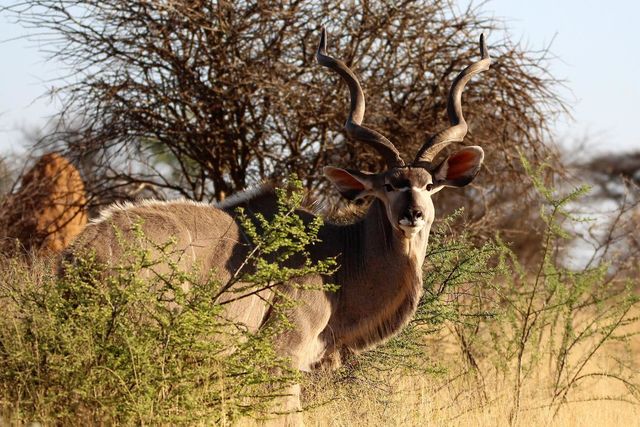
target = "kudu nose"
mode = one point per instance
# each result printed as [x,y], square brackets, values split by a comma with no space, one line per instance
[412,216]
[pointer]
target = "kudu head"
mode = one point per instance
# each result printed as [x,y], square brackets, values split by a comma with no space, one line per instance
[406,189]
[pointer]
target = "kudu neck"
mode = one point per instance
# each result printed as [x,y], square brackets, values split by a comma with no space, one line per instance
[361,246]
[380,279]
[374,244]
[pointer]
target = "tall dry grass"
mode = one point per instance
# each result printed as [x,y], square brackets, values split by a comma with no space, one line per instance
[425,401]
[459,397]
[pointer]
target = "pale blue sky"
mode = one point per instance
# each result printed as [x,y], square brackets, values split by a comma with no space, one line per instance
[597,43]
[598,48]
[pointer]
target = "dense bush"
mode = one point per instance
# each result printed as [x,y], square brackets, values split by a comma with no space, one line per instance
[202,99]
[131,345]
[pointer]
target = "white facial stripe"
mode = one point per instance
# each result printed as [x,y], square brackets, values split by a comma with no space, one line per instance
[407,222]
[419,189]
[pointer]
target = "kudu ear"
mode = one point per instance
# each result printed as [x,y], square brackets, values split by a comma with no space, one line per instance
[460,168]
[350,183]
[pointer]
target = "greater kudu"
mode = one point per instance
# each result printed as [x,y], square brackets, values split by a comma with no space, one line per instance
[380,256]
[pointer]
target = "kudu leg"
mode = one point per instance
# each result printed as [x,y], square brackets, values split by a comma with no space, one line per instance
[303,347]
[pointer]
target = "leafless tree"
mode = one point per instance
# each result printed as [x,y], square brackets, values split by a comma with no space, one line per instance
[203,98]
[615,198]
[5,176]
[610,172]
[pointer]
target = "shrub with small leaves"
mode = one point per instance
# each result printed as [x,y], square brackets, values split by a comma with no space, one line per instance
[131,343]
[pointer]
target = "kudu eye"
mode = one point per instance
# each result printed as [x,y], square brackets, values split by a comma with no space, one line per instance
[388,187]
[429,187]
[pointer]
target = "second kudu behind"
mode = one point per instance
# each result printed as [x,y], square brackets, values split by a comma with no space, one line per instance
[380,255]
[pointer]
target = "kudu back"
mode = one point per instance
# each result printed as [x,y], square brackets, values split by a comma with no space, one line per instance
[380,256]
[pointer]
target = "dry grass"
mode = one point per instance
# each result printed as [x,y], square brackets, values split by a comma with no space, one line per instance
[457,399]
[428,401]
[424,401]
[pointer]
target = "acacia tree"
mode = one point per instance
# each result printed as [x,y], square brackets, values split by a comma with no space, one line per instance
[203,98]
